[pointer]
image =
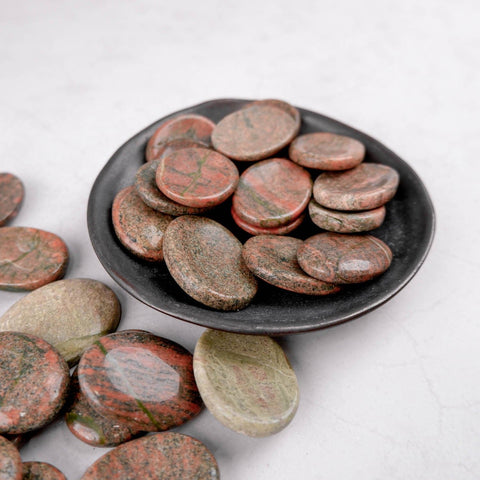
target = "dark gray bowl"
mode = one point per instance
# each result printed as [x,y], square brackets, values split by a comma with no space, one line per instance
[408,230]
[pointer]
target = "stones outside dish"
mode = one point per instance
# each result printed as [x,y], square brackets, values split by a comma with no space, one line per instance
[408,229]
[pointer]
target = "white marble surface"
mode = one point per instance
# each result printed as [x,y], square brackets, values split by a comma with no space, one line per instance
[395,394]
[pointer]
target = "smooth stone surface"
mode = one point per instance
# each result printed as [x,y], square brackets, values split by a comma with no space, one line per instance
[197,177]
[41,471]
[11,197]
[165,149]
[254,132]
[165,456]
[339,258]
[272,193]
[146,186]
[30,258]
[34,382]
[10,461]
[274,260]
[346,222]
[326,151]
[69,314]
[140,379]
[139,228]
[368,186]
[255,230]
[205,259]
[187,126]
[91,427]
[286,107]
[246,382]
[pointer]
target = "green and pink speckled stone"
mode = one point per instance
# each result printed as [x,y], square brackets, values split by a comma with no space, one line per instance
[11,197]
[41,471]
[10,461]
[344,259]
[30,258]
[166,456]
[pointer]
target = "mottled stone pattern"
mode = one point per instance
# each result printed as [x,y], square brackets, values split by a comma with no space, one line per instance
[197,177]
[30,258]
[338,258]
[11,197]
[246,382]
[346,222]
[190,126]
[272,193]
[69,314]
[165,149]
[205,259]
[163,456]
[41,471]
[140,379]
[139,228]
[10,461]
[146,186]
[91,427]
[255,230]
[365,187]
[34,382]
[286,107]
[254,132]
[326,151]
[274,260]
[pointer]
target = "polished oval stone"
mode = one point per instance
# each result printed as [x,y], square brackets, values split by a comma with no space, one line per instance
[346,222]
[41,471]
[69,314]
[139,228]
[140,379]
[246,382]
[368,186]
[34,382]
[205,259]
[165,456]
[274,260]
[146,186]
[10,461]
[254,132]
[197,177]
[286,107]
[165,149]
[188,126]
[255,230]
[272,193]
[91,427]
[30,258]
[11,197]
[326,151]
[339,258]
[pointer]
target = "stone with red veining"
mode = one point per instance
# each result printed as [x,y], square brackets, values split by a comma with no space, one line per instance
[346,222]
[197,177]
[10,461]
[34,382]
[205,259]
[254,132]
[165,149]
[196,128]
[326,151]
[140,379]
[30,258]
[11,196]
[41,471]
[274,260]
[166,456]
[255,230]
[344,259]
[91,427]
[286,107]
[147,188]
[139,228]
[367,186]
[272,193]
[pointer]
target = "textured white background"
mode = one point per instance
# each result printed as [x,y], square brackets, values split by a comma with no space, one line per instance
[394,394]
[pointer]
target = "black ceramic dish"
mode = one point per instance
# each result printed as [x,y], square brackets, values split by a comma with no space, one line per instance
[408,230]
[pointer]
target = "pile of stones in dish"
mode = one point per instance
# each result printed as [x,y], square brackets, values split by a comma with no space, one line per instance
[192,166]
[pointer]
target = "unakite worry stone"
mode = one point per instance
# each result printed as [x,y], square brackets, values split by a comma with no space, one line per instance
[11,196]
[246,382]
[70,314]
[10,461]
[41,471]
